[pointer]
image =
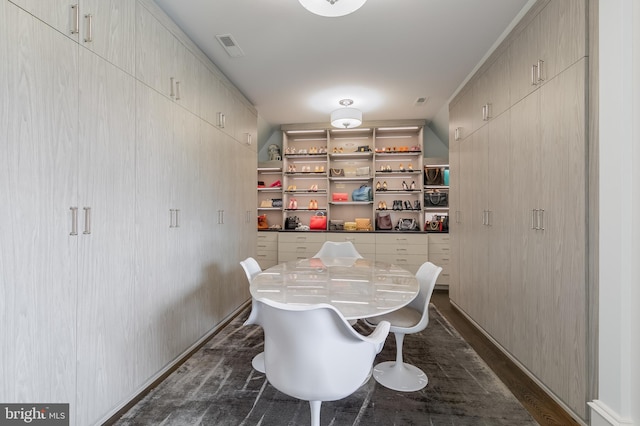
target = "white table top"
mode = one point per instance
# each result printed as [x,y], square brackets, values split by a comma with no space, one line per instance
[358,288]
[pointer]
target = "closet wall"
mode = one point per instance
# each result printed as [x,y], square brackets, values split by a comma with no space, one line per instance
[122,234]
[518,159]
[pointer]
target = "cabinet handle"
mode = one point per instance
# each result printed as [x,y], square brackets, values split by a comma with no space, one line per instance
[484,112]
[177,218]
[488,112]
[172,93]
[76,19]
[89,38]
[456,134]
[489,215]
[533,75]
[540,71]
[222,217]
[177,90]
[248,138]
[221,120]
[541,221]
[87,220]
[170,218]
[74,220]
[533,218]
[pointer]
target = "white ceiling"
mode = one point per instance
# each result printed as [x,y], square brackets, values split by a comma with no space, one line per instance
[297,65]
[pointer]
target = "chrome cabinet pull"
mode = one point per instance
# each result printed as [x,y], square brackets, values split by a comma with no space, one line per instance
[484,112]
[87,220]
[533,218]
[488,112]
[221,120]
[539,70]
[89,38]
[76,20]
[74,220]
[177,218]
[456,134]
[541,221]
[172,93]
[489,221]
[533,75]
[177,90]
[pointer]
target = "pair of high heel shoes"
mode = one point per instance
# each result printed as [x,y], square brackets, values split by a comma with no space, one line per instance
[313,204]
[411,187]
[382,205]
[381,187]
[293,204]
[405,205]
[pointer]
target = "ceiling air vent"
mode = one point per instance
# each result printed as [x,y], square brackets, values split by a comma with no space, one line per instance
[422,100]
[229,43]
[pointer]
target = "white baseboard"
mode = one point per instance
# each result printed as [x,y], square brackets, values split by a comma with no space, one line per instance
[603,415]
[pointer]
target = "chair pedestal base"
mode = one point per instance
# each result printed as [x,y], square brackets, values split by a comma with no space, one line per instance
[258,362]
[400,376]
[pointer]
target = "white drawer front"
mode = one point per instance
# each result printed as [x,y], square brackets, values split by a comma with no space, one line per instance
[355,238]
[301,248]
[439,259]
[287,256]
[402,249]
[267,246]
[420,239]
[438,238]
[266,255]
[409,262]
[301,237]
[267,237]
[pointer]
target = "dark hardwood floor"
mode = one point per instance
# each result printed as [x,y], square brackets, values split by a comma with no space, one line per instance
[544,409]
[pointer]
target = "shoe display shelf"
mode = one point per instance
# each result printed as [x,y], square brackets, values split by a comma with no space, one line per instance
[305,175]
[320,163]
[269,191]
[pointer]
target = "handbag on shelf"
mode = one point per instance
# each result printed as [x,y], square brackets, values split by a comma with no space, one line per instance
[336,172]
[266,203]
[363,224]
[364,193]
[262,222]
[433,175]
[319,221]
[291,222]
[435,198]
[438,223]
[383,221]
[350,226]
[407,225]
[364,148]
[276,202]
[340,196]
[336,225]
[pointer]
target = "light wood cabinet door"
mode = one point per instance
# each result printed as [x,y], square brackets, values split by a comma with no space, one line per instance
[455,174]
[465,218]
[106,255]
[562,39]
[107,28]
[524,54]
[38,256]
[562,294]
[60,14]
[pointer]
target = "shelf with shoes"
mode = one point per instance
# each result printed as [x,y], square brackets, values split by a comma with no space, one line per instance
[270,198]
[387,152]
[436,196]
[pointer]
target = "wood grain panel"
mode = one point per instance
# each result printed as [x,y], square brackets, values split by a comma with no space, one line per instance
[39,173]
[113,31]
[57,13]
[107,256]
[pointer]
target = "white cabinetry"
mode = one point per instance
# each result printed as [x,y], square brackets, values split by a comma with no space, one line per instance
[105,27]
[298,245]
[39,181]
[267,249]
[440,254]
[518,197]
[405,250]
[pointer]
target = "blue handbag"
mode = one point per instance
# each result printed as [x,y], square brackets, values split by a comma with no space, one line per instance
[364,193]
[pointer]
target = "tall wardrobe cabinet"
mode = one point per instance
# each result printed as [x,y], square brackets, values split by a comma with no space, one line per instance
[121,241]
[518,199]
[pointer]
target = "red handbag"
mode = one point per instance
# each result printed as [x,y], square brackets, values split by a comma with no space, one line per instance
[340,196]
[319,221]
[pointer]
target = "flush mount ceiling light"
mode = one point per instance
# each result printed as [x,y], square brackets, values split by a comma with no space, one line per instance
[332,8]
[346,118]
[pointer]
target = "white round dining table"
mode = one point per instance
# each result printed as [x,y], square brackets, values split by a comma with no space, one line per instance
[358,288]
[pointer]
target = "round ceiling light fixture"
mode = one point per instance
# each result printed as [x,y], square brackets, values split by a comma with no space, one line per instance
[332,8]
[346,118]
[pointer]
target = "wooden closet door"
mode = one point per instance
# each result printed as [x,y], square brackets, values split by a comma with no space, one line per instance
[562,313]
[38,183]
[57,13]
[107,255]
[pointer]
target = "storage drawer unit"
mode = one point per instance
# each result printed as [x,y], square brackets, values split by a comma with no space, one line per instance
[267,249]
[405,250]
[364,243]
[439,250]
[299,245]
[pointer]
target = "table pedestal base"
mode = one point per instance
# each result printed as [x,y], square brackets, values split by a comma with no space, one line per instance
[400,376]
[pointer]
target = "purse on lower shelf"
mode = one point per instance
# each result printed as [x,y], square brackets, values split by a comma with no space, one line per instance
[435,198]
[363,224]
[291,222]
[336,225]
[319,221]
[336,172]
[383,221]
[350,226]
[266,203]
[262,222]
[407,225]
